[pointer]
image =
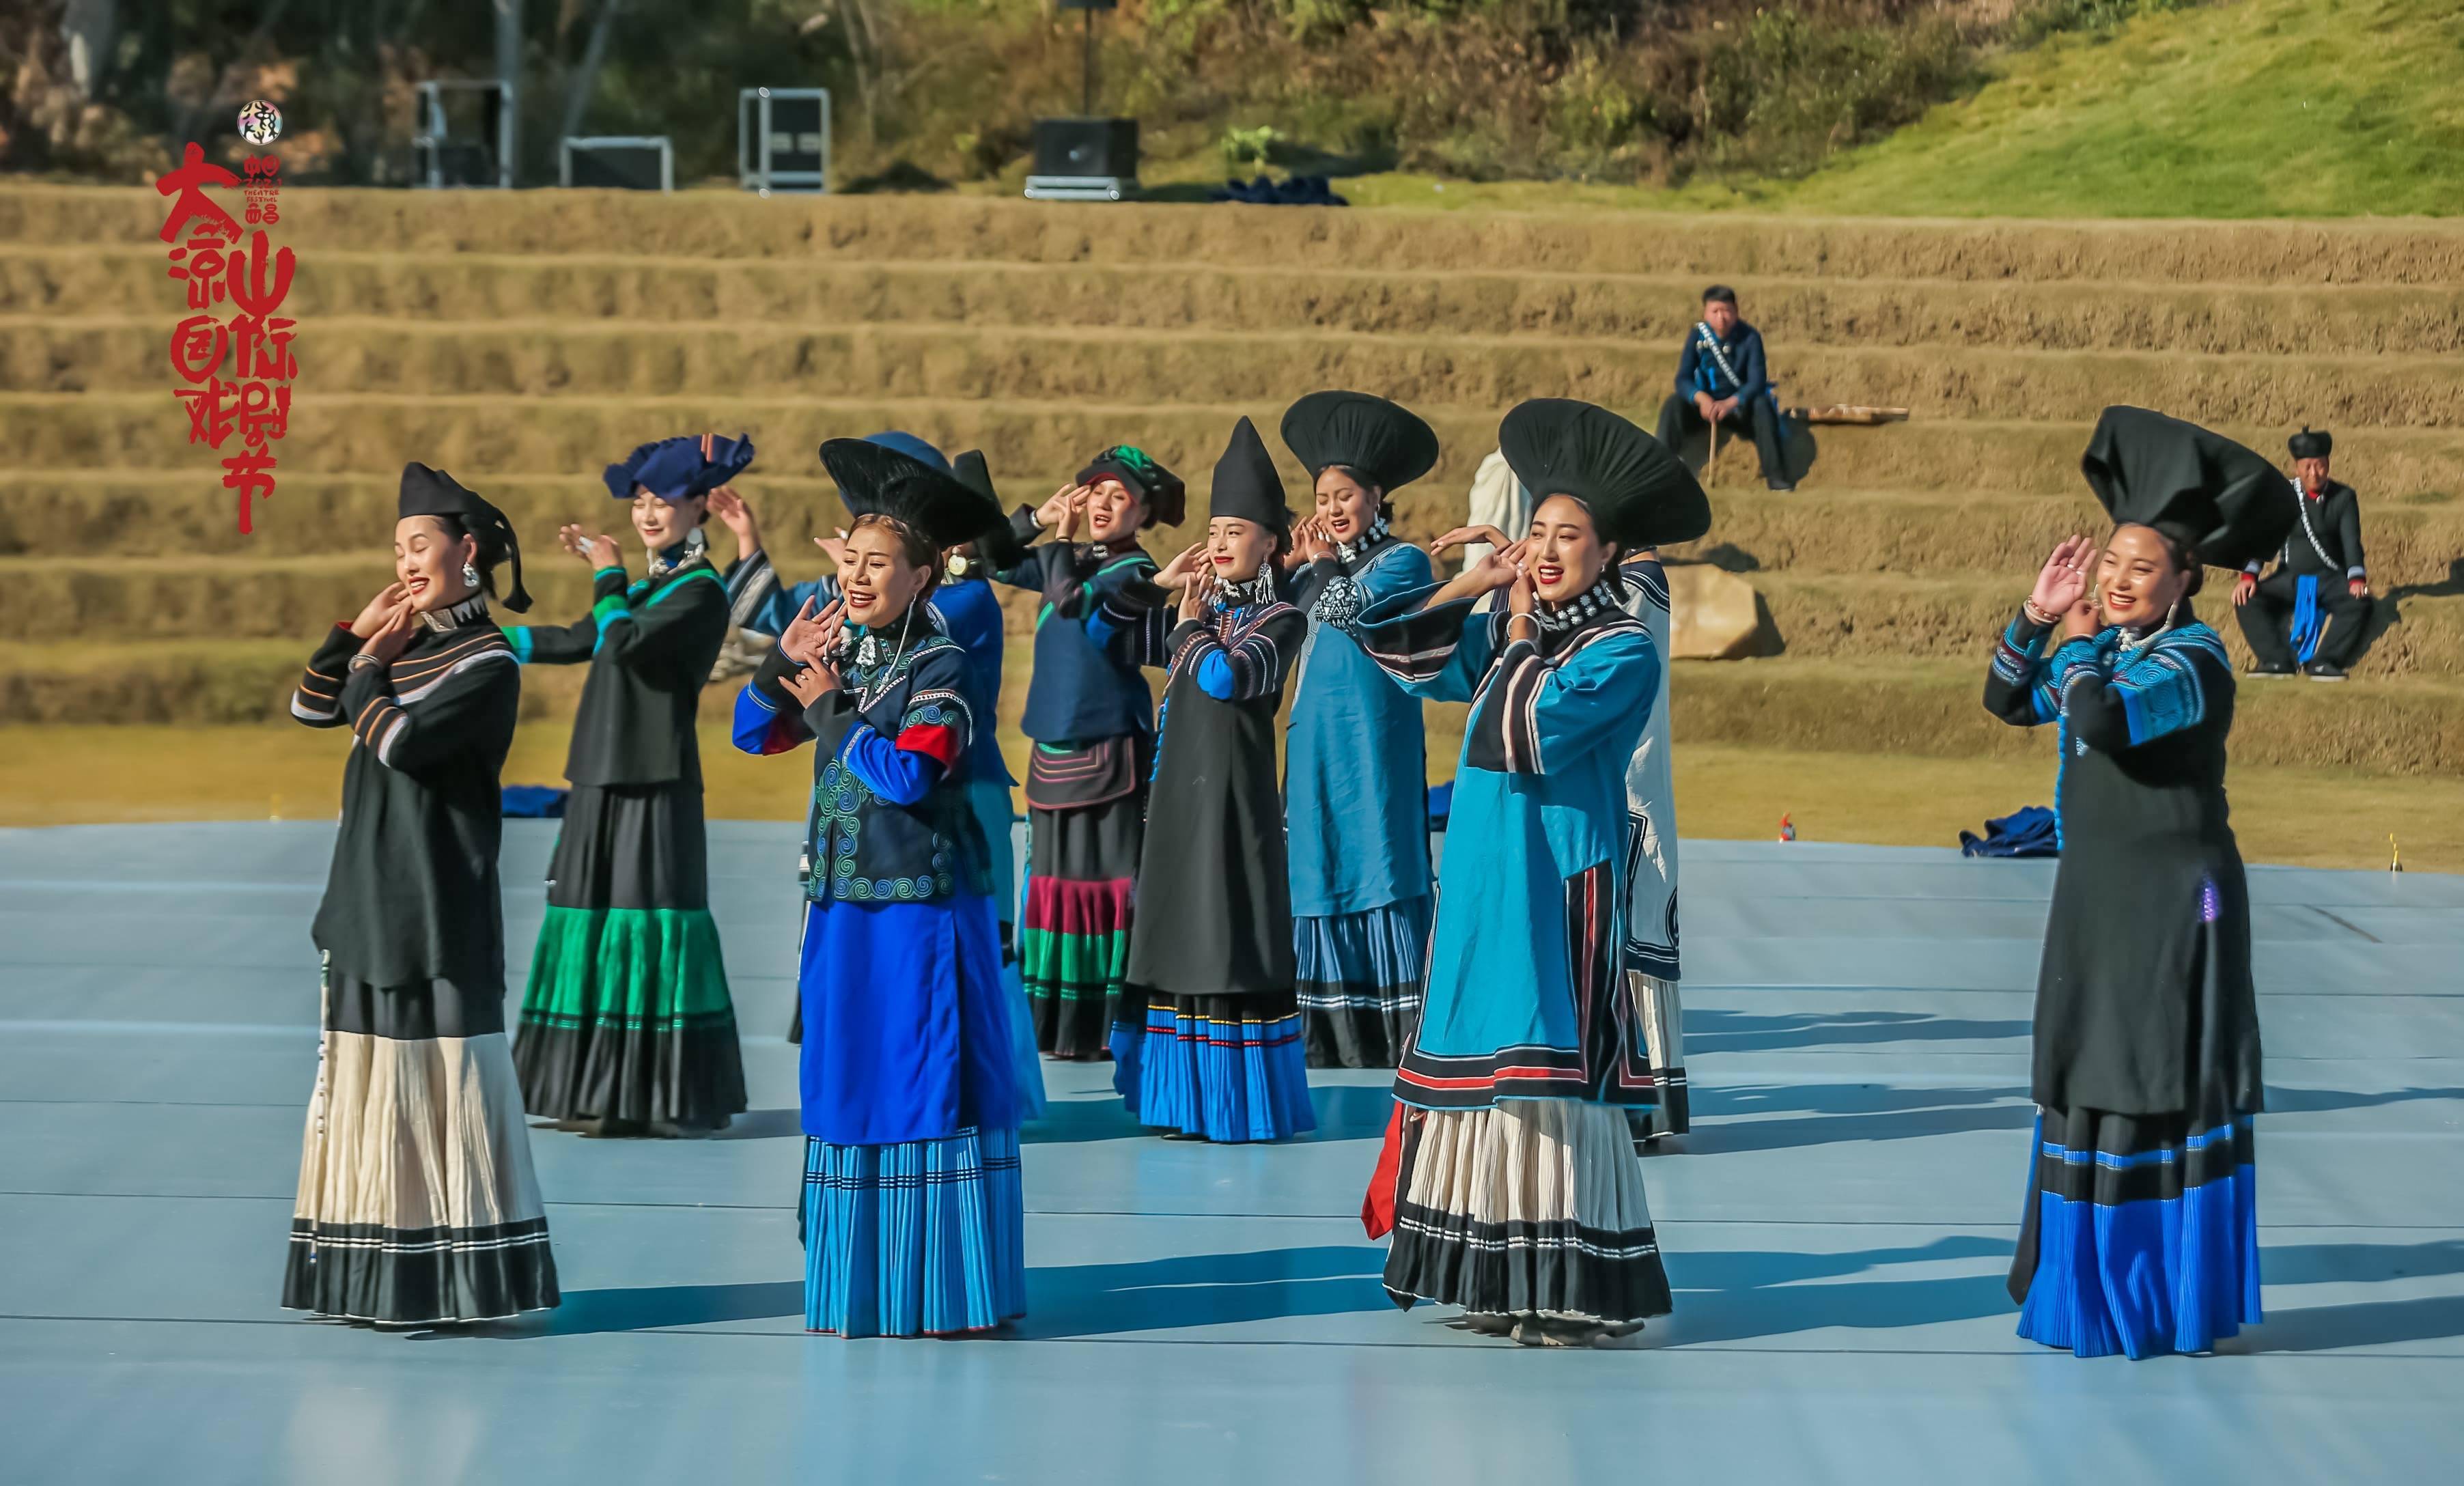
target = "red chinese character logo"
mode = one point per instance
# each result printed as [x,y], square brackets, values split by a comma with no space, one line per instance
[198,347]
[248,277]
[252,474]
[189,183]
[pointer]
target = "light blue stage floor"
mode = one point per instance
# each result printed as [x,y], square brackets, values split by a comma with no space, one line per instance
[1836,1227]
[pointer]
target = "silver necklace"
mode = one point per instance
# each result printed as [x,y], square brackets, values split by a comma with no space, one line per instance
[2130,649]
[1351,551]
[1583,606]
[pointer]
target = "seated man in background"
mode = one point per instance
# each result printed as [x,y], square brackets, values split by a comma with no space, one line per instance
[1722,380]
[2313,611]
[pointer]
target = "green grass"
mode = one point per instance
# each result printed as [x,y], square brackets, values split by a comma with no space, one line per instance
[2240,108]
[2255,108]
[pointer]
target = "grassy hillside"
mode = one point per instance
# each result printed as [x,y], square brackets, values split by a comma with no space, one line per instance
[2242,108]
[2257,108]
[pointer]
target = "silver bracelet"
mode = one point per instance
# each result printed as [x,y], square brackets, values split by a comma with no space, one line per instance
[362,659]
[2035,616]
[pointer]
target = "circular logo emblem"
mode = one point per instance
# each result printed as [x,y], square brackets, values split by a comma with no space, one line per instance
[261,124]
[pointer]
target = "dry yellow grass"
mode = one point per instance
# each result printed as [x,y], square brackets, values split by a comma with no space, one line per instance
[51,776]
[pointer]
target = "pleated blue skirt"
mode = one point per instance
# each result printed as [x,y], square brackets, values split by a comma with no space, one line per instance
[922,1238]
[1228,1069]
[2141,1234]
[1358,982]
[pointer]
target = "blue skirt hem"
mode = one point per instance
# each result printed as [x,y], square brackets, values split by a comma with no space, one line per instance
[921,1239]
[1227,1082]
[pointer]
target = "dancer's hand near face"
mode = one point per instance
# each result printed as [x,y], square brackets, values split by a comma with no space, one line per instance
[390,597]
[2063,582]
[600,552]
[1175,575]
[1195,594]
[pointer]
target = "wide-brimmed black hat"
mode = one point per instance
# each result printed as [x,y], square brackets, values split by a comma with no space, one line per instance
[1386,443]
[1247,486]
[2311,443]
[1166,496]
[432,492]
[875,479]
[996,544]
[2195,486]
[1640,493]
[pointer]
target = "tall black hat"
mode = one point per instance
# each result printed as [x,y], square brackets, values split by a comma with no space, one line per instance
[681,468]
[996,544]
[2311,443]
[875,479]
[2199,487]
[1247,486]
[1385,442]
[432,492]
[1640,493]
[1166,496]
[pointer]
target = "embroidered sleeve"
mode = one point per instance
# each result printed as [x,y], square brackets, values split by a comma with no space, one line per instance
[1252,665]
[1438,653]
[2165,690]
[411,718]
[750,583]
[317,700]
[768,608]
[937,724]
[2018,687]
[1534,715]
[1130,617]
[768,719]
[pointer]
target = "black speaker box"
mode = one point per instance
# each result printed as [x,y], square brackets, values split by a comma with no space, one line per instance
[1097,147]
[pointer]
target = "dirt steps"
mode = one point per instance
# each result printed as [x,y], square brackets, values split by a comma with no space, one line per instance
[544,359]
[1654,308]
[499,337]
[1878,616]
[478,437]
[2412,543]
[904,229]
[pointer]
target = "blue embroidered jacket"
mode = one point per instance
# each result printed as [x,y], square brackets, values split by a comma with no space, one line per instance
[889,819]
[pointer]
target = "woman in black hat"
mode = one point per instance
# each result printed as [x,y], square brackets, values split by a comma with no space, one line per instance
[1509,1179]
[2141,1234]
[417,1205]
[1355,775]
[1211,1047]
[912,1216]
[628,1024]
[1090,721]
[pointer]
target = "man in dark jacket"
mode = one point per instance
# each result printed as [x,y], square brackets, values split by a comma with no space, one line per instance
[1722,380]
[2313,612]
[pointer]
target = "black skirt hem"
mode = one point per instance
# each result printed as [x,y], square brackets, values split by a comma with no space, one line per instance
[390,1277]
[1356,1037]
[1519,1268]
[693,1078]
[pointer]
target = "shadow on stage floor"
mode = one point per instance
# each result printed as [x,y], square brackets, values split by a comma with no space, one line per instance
[1709,1030]
[1203,1289]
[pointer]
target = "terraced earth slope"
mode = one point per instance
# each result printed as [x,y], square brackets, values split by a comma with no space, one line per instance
[522,343]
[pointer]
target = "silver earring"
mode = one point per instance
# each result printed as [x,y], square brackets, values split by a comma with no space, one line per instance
[470,576]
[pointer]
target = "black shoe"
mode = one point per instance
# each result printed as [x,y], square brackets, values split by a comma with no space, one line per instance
[1780,484]
[2272,669]
[2321,671]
